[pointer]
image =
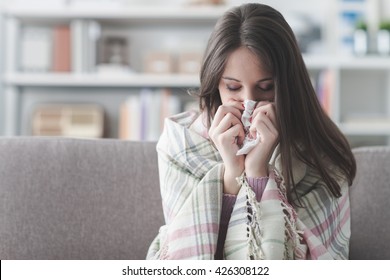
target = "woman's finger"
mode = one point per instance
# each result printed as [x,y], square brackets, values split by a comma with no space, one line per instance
[226,123]
[263,125]
[267,109]
[222,111]
[234,135]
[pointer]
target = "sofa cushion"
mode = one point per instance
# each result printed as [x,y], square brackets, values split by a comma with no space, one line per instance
[78,199]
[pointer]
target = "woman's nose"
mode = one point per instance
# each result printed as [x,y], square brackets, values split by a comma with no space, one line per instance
[249,94]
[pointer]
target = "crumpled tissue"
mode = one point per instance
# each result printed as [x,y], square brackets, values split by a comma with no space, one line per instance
[248,143]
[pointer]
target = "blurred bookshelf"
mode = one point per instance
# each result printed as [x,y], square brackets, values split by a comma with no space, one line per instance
[124,55]
[102,80]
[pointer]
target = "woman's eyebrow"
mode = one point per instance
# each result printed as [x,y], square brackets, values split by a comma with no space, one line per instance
[236,80]
[265,79]
[232,79]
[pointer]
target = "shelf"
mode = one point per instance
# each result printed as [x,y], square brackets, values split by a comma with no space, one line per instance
[102,80]
[369,62]
[177,80]
[148,13]
[364,128]
[319,61]
[354,5]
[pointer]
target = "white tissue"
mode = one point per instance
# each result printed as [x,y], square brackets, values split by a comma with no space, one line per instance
[248,143]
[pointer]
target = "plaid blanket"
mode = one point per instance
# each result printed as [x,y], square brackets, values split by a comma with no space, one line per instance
[191,182]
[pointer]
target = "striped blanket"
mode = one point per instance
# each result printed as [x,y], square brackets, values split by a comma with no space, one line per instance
[191,182]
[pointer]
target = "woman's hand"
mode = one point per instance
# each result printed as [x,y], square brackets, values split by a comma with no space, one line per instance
[227,133]
[263,125]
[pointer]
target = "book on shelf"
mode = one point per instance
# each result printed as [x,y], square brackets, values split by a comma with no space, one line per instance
[142,114]
[62,49]
[93,33]
[323,86]
[44,49]
[85,34]
[36,49]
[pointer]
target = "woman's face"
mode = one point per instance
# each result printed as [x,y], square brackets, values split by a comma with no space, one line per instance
[245,77]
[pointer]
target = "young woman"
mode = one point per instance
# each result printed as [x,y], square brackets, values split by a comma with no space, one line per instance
[286,195]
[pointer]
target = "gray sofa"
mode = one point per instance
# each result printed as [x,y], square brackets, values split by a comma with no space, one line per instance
[99,199]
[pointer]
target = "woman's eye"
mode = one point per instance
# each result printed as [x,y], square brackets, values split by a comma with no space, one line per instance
[232,88]
[267,88]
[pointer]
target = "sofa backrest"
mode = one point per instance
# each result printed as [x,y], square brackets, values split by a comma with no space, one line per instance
[86,199]
[77,199]
[369,197]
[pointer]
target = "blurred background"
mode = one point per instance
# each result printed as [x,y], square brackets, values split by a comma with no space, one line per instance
[116,68]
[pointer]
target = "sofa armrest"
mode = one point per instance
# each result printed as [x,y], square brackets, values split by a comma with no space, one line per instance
[370,196]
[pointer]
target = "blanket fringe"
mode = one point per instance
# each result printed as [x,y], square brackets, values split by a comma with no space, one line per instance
[254,232]
[293,237]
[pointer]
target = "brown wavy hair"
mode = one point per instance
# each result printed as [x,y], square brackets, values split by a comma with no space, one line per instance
[305,130]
